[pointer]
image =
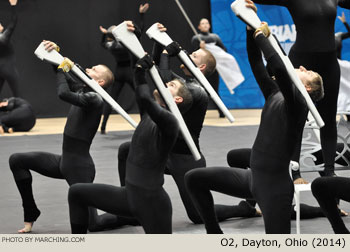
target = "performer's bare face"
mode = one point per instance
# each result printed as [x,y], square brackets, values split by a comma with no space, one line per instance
[306,76]
[204,25]
[173,87]
[96,72]
[1,28]
[197,57]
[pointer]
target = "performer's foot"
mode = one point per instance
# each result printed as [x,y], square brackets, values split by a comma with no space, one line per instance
[2,131]
[299,181]
[10,130]
[328,173]
[103,132]
[248,210]
[343,213]
[27,228]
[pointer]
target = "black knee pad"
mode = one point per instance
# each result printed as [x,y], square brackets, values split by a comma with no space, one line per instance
[318,186]
[74,192]
[123,151]
[14,161]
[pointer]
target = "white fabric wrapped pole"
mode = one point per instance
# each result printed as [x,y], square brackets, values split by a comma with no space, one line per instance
[130,40]
[163,38]
[248,16]
[56,58]
[227,67]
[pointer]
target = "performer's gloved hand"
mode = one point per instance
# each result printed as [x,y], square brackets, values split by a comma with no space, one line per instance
[131,26]
[143,64]
[66,65]
[264,29]
[173,48]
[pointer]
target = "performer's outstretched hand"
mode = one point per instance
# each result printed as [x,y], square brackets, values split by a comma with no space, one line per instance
[342,17]
[13,2]
[102,29]
[49,46]
[143,8]
[250,4]
[161,27]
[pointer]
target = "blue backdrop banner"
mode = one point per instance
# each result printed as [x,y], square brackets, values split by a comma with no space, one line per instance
[232,32]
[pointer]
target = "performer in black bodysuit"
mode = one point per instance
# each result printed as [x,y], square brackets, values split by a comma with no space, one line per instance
[8,69]
[314,49]
[16,114]
[340,36]
[75,164]
[283,117]
[328,191]
[198,41]
[123,69]
[180,159]
[143,196]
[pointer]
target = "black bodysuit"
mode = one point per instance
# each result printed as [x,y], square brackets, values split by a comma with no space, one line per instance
[143,196]
[75,164]
[282,121]
[18,115]
[314,49]
[8,69]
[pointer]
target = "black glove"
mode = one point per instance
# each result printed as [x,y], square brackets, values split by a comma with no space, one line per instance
[143,64]
[173,49]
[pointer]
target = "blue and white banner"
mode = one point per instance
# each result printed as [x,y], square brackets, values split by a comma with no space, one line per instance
[232,32]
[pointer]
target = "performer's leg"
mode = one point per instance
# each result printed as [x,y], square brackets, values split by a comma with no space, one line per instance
[234,182]
[15,119]
[307,212]
[9,73]
[21,163]
[152,208]
[108,220]
[2,82]
[107,109]
[328,109]
[273,190]
[327,191]
[239,158]
[123,153]
[108,198]
[13,81]
[214,81]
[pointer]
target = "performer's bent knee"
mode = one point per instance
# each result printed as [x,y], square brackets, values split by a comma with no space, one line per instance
[123,151]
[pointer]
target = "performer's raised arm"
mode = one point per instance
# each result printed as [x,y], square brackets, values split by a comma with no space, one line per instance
[266,84]
[275,63]
[161,116]
[344,35]
[6,34]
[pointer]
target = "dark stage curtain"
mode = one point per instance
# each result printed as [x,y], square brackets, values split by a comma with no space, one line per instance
[73,24]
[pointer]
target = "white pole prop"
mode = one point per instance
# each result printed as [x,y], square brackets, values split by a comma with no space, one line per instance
[163,38]
[248,16]
[56,58]
[133,44]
